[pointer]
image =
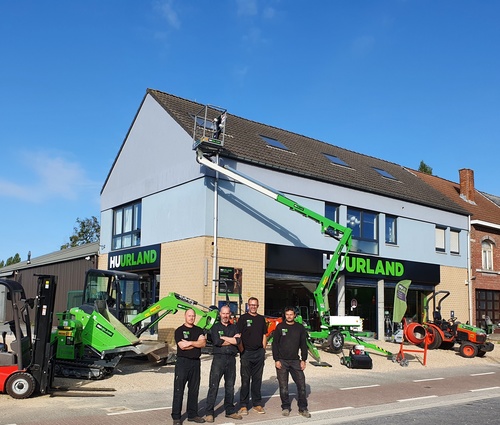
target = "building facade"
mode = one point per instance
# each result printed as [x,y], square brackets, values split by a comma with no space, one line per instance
[484,213]
[216,241]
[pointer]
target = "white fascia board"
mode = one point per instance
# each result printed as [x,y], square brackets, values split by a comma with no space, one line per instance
[485,224]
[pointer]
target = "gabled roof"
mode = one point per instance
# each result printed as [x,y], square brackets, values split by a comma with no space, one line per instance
[483,208]
[492,198]
[306,157]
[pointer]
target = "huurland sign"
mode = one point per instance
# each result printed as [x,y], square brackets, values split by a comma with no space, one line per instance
[374,266]
[304,260]
[145,257]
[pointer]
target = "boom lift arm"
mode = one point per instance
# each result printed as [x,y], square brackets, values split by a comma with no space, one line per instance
[335,334]
[329,227]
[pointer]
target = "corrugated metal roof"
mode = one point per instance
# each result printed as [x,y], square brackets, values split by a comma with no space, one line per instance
[54,257]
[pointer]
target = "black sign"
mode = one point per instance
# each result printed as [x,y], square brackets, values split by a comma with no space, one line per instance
[140,258]
[313,261]
[230,280]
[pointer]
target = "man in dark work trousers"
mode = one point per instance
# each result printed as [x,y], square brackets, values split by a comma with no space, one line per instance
[252,327]
[289,338]
[225,339]
[190,339]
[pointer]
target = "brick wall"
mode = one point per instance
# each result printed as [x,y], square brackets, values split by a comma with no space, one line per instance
[454,279]
[480,279]
[187,268]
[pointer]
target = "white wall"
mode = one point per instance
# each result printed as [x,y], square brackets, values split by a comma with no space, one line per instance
[158,165]
[247,214]
[157,155]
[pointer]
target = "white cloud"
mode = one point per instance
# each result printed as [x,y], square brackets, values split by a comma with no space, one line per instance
[269,12]
[241,71]
[166,8]
[254,36]
[247,7]
[362,45]
[48,178]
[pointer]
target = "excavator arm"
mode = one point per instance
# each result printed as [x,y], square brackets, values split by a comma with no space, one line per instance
[171,304]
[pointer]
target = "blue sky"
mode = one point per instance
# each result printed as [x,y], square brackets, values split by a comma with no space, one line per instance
[401,80]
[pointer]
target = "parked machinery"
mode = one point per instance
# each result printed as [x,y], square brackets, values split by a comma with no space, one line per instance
[445,334]
[26,367]
[130,298]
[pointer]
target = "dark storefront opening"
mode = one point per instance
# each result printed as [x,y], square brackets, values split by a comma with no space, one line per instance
[294,290]
[360,300]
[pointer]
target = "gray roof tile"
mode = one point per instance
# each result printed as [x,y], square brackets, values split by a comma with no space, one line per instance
[306,157]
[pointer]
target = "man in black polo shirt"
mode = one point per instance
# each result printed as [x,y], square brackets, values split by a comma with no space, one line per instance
[252,327]
[225,339]
[190,340]
[289,338]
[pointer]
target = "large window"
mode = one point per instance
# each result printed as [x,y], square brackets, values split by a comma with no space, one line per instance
[487,304]
[440,245]
[364,230]
[391,229]
[487,255]
[127,226]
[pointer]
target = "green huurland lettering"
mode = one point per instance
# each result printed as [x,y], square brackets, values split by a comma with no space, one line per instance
[153,255]
[146,257]
[382,267]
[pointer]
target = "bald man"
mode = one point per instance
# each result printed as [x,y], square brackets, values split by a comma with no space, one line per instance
[189,339]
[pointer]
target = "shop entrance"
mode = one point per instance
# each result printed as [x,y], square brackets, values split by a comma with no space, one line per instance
[362,301]
[296,291]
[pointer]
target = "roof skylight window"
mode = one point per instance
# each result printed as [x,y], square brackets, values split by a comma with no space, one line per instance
[384,173]
[274,143]
[204,123]
[335,160]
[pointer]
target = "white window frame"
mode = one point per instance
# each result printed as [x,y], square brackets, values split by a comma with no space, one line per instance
[391,229]
[127,226]
[487,255]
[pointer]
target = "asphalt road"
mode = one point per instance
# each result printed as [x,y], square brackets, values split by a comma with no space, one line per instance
[447,396]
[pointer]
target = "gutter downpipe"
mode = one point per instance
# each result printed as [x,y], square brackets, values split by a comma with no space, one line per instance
[216,229]
[469,279]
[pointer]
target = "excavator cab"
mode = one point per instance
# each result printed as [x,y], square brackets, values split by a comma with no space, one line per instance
[125,294]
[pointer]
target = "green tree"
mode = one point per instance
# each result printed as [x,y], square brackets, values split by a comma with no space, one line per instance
[86,231]
[11,260]
[424,168]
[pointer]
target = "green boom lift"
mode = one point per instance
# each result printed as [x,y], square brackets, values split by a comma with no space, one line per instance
[333,329]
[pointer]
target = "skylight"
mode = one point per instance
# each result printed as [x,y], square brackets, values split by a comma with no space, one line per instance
[274,143]
[384,173]
[336,160]
[204,123]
